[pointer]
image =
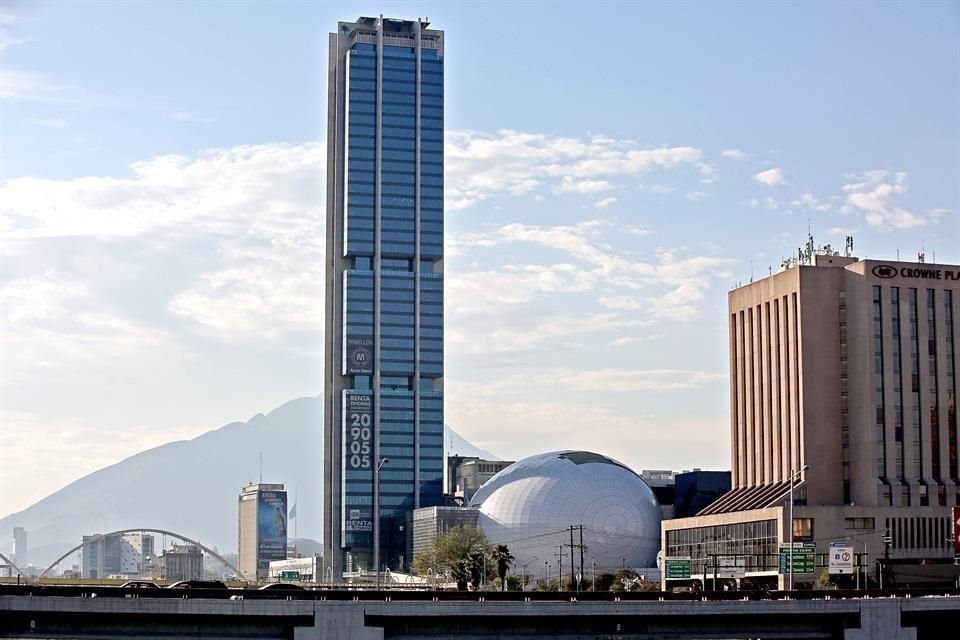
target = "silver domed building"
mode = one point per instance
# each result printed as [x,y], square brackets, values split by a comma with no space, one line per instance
[530,505]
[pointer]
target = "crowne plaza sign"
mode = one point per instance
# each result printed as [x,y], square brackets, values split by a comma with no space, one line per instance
[921,273]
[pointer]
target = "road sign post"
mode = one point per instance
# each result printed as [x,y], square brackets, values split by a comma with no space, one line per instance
[801,560]
[840,560]
[677,568]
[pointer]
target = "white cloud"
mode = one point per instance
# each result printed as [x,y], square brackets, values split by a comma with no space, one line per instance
[770,177]
[842,231]
[16,84]
[696,196]
[273,185]
[603,204]
[569,184]
[51,322]
[246,298]
[666,286]
[660,189]
[7,39]
[631,380]
[708,172]
[771,203]
[808,202]
[872,196]
[480,166]
[733,153]
[50,123]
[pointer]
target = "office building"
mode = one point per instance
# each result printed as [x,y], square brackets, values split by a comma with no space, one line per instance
[466,474]
[180,562]
[383,389]
[696,490]
[261,528]
[100,556]
[128,555]
[430,522]
[19,555]
[663,484]
[842,374]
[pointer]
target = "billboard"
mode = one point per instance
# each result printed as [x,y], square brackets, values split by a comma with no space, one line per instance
[358,431]
[357,459]
[359,521]
[358,356]
[271,526]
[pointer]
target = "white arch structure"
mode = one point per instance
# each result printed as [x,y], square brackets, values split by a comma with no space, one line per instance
[172,534]
[10,562]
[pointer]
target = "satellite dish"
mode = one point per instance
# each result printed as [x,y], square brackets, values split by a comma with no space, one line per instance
[660,559]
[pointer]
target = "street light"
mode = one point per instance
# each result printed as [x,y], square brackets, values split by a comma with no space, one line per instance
[522,568]
[793,477]
[376,517]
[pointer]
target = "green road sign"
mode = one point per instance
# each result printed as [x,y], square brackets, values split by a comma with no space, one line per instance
[677,568]
[804,558]
[289,576]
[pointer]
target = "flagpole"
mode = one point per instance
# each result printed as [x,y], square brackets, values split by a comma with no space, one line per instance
[296,520]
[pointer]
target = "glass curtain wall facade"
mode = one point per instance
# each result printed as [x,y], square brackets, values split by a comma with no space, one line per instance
[384,342]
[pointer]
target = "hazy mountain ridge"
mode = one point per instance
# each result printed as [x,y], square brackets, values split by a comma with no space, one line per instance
[191,486]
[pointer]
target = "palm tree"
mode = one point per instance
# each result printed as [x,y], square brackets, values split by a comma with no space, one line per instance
[502,556]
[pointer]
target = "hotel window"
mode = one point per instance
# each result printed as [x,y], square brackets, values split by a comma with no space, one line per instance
[951,387]
[934,395]
[880,434]
[897,380]
[917,471]
[860,523]
[803,529]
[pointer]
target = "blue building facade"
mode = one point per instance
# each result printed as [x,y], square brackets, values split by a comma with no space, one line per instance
[384,290]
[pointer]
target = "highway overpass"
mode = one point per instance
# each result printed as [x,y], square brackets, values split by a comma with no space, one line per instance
[84,613]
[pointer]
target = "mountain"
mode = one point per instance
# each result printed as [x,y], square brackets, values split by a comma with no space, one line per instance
[191,486]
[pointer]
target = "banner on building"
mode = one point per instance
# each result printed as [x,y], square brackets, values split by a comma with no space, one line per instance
[359,356]
[272,525]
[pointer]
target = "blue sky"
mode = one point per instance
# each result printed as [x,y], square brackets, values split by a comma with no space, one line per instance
[612,170]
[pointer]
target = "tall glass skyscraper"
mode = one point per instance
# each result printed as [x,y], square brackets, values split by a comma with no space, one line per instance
[383,387]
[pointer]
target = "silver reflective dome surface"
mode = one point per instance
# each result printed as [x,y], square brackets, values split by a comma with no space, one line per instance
[530,505]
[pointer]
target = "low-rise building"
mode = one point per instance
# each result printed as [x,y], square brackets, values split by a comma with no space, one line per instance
[466,474]
[180,562]
[843,424]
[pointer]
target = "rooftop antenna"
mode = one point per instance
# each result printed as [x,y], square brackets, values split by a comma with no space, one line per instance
[751,271]
[848,246]
[261,467]
[921,255]
[898,255]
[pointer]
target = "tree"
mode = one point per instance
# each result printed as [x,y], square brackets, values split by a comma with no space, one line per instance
[459,554]
[503,558]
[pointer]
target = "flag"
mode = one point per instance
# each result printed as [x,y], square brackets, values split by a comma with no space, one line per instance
[293,511]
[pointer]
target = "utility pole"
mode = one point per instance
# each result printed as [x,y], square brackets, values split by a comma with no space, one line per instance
[887,539]
[559,554]
[573,579]
[581,553]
